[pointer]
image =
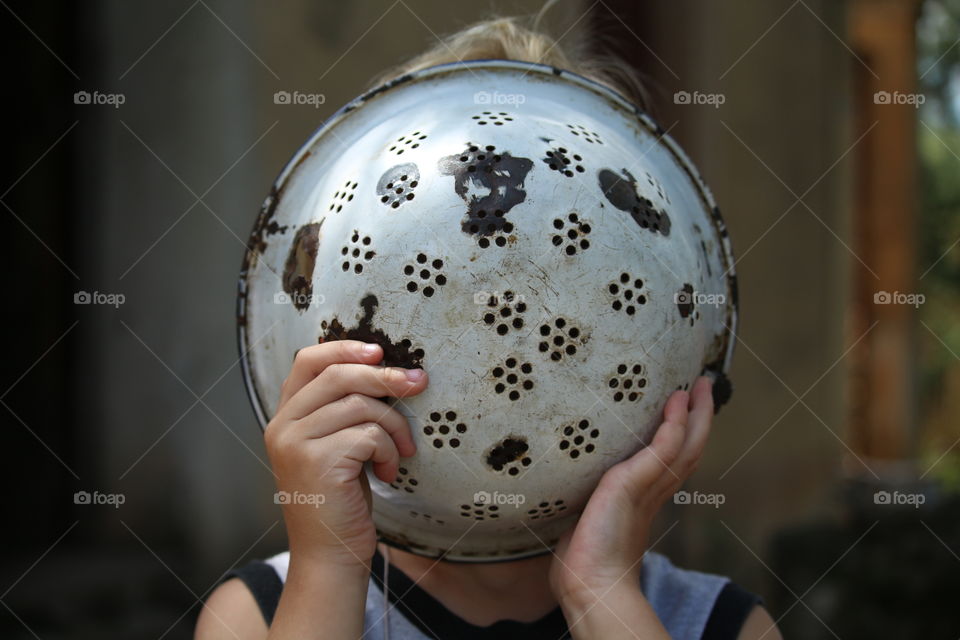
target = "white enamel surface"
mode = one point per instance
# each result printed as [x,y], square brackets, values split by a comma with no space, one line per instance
[461,349]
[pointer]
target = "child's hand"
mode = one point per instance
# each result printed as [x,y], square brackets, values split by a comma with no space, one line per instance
[602,552]
[327,425]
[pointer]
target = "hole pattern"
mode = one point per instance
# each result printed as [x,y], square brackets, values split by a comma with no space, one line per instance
[511,378]
[397,184]
[357,253]
[571,234]
[628,294]
[546,510]
[493,228]
[588,136]
[621,192]
[404,481]
[560,338]
[342,196]
[504,313]
[480,511]
[577,438]
[628,382]
[443,428]
[427,517]
[557,159]
[407,142]
[509,455]
[425,275]
[417,354]
[493,117]
[653,182]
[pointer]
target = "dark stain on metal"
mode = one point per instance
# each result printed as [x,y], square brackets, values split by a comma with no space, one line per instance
[685,300]
[508,450]
[384,87]
[734,289]
[298,272]
[499,173]
[722,389]
[621,192]
[395,353]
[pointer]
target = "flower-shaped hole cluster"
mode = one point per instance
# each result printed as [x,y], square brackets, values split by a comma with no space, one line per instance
[511,382]
[546,509]
[559,160]
[577,438]
[356,253]
[406,142]
[627,294]
[582,132]
[493,117]
[480,511]
[427,517]
[571,234]
[628,382]
[560,338]
[504,312]
[425,275]
[444,428]
[404,481]
[342,196]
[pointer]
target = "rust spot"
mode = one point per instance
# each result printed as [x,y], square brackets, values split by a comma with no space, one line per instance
[621,192]
[510,449]
[685,300]
[499,174]
[298,272]
[395,354]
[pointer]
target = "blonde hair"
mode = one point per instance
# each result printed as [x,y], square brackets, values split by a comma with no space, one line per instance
[509,39]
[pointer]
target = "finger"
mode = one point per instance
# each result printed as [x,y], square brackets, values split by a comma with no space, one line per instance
[357,408]
[340,379]
[700,420]
[367,442]
[310,362]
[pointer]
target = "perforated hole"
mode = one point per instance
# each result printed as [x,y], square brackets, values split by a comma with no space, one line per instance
[404,481]
[512,378]
[357,253]
[627,293]
[492,224]
[425,275]
[497,118]
[343,196]
[559,159]
[560,338]
[577,438]
[397,184]
[546,509]
[426,516]
[504,313]
[444,428]
[653,182]
[628,382]
[588,136]
[571,234]
[417,354]
[510,456]
[407,142]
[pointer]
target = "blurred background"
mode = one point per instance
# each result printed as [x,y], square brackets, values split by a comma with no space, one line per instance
[143,137]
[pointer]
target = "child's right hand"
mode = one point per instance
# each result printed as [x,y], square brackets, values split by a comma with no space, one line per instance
[327,424]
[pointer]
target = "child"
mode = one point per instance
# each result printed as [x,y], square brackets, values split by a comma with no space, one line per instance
[338,582]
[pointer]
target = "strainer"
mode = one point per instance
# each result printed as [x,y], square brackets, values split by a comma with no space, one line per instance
[539,246]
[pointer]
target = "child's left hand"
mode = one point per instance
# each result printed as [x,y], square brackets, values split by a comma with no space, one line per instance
[603,552]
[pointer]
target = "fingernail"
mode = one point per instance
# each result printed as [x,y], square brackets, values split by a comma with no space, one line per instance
[414,374]
[370,348]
